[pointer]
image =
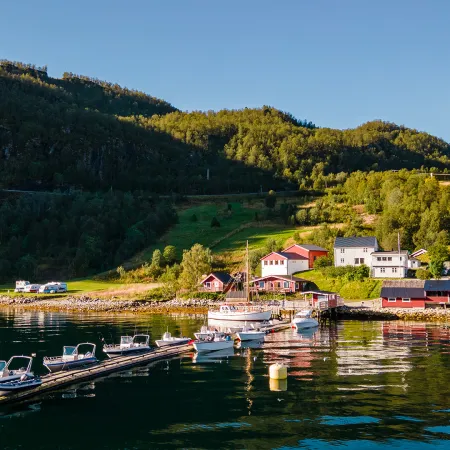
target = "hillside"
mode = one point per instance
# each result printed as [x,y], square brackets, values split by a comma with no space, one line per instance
[82,133]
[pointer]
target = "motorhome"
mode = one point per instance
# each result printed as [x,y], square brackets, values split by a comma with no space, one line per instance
[20,285]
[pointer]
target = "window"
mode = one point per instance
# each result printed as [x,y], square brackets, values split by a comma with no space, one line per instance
[342,250]
[281,263]
[389,258]
[384,258]
[286,284]
[382,269]
[394,270]
[392,300]
[406,300]
[208,284]
[265,263]
[401,258]
[378,258]
[276,262]
[342,260]
[365,250]
[315,257]
[356,260]
[271,263]
[261,284]
[361,260]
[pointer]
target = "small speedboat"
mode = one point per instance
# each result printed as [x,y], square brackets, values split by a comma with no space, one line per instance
[16,367]
[129,345]
[212,344]
[72,358]
[207,333]
[24,383]
[250,334]
[169,341]
[304,320]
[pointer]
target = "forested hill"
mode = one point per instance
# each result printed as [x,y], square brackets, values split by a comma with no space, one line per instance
[78,132]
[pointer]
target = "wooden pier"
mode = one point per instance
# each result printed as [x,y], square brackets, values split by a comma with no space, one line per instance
[61,379]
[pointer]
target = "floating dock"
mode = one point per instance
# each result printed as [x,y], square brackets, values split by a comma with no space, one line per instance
[53,381]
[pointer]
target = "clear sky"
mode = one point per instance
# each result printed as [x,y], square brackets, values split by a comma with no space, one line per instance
[338,63]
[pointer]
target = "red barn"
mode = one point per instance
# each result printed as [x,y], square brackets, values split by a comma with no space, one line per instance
[217,282]
[309,251]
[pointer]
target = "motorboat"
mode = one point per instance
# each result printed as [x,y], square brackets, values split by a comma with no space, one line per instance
[213,344]
[24,383]
[72,358]
[250,334]
[139,343]
[244,313]
[15,368]
[304,320]
[206,333]
[169,341]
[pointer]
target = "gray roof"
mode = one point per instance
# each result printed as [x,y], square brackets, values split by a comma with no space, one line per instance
[437,285]
[355,241]
[312,247]
[224,277]
[403,289]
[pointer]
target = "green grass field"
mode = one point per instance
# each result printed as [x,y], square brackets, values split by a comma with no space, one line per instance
[352,290]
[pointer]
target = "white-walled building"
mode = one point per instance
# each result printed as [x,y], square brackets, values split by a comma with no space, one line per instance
[283,263]
[389,264]
[354,251]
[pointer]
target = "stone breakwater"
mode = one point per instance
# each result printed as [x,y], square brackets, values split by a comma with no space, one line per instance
[85,303]
[410,314]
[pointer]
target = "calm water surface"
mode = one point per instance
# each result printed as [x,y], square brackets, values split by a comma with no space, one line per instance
[372,385]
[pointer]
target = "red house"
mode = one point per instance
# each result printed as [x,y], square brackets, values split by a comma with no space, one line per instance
[324,299]
[278,283]
[309,251]
[415,293]
[217,282]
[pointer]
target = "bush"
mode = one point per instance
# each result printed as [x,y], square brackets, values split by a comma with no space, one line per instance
[323,261]
[215,223]
[423,274]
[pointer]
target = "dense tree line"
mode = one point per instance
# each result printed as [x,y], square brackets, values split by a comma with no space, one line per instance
[86,133]
[45,236]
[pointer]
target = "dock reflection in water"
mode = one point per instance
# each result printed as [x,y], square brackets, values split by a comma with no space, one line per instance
[375,385]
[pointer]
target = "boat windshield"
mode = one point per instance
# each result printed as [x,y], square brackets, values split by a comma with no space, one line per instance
[126,340]
[69,351]
[2,365]
[140,339]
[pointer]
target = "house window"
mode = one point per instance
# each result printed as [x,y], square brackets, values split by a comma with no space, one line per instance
[406,300]
[365,250]
[261,284]
[271,263]
[394,270]
[361,260]
[208,284]
[286,284]
[315,257]
[378,258]
[342,250]
[384,258]
[276,262]
[392,300]
[401,258]
[281,263]
[342,260]
[389,258]
[265,263]
[216,284]
[382,269]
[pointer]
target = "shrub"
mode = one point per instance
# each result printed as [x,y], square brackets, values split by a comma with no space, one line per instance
[323,261]
[423,274]
[215,223]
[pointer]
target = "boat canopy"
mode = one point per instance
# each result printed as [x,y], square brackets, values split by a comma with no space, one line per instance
[141,338]
[69,350]
[2,365]
[126,340]
[304,313]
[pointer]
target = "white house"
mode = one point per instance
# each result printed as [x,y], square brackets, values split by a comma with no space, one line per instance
[354,251]
[390,264]
[283,263]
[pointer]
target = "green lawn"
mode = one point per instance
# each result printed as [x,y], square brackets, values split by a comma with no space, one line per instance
[352,290]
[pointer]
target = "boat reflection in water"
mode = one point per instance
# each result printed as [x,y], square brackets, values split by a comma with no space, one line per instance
[213,357]
[250,344]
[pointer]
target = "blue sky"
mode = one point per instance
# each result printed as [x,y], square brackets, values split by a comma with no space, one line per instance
[338,63]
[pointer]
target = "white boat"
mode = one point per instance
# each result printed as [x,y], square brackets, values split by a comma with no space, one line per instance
[16,367]
[206,333]
[71,358]
[202,346]
[250,334]
[22,384]
[169,341]
[139,343]
[304,320]
[243,313]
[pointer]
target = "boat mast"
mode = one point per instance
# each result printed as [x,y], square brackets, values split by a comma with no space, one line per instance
[247,275]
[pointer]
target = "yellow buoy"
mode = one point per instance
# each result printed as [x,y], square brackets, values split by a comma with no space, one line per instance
[278,371]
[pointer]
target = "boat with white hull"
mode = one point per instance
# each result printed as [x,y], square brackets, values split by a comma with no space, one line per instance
[207,333]
[213,345]
[251,335]
[72,358]
[16,367]
[240,313]
[303,320]
[170,341]
[23,384]
[129,345]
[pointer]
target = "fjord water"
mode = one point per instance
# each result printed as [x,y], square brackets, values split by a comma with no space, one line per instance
[356,385]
